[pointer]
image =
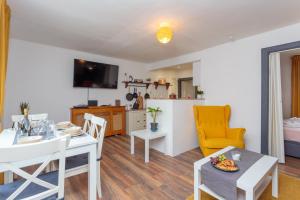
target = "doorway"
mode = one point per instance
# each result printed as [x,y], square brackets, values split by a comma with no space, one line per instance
[265,53]
[186,90]
[267,104]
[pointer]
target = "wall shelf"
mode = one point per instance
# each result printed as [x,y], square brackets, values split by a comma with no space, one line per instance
[146,85]
[156,84]
[135,84]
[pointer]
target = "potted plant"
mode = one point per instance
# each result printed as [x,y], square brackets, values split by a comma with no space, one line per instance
[24,108]
[153,111]
[200,93]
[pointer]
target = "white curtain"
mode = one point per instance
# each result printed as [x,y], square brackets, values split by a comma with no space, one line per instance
[276,139]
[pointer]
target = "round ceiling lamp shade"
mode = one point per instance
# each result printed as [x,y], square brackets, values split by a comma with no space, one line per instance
[164,34]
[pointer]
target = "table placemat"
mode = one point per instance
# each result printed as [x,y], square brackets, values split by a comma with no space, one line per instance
[224,183]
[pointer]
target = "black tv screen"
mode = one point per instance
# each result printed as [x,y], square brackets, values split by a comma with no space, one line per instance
[95,75]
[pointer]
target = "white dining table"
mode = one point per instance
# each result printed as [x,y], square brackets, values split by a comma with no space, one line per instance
[78,145]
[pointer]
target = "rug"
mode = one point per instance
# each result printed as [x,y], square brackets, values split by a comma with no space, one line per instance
[289,189]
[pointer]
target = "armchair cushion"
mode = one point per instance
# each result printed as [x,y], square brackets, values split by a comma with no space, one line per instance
[220,143]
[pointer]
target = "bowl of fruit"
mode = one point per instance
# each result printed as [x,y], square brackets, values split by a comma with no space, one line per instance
[222,163]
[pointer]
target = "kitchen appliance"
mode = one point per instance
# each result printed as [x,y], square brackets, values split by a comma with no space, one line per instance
[92,103]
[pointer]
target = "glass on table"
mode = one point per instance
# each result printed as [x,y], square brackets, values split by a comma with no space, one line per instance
[236,155]
[51,125]
[37,127]
[51,131]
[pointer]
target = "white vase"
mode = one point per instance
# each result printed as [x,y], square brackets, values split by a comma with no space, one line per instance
[200,96]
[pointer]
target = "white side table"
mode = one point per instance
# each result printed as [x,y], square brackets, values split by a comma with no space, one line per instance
[146,135]
[251,184]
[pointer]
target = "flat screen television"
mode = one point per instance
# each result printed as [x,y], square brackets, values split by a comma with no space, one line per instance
[95,75]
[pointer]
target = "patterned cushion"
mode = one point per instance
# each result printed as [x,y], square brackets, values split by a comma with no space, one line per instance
[7,189]
[76,161]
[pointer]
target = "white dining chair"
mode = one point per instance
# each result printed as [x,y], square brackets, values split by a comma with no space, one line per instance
[34,186]
[32,117]
[87,122]
[79,164]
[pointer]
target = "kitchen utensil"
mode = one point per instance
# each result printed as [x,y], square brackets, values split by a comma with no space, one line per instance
[129,96]
[135,105]
[130,78]
[140,101]
[125,77]
[147,95]
[135,94]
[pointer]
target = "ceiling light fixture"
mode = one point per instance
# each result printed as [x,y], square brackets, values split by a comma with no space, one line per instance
[164,34]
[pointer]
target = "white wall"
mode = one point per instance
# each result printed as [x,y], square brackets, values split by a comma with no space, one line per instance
[232,75]
[286,84]
[180,135]
[43,76]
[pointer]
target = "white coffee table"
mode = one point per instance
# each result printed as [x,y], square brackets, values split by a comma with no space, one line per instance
[146,135]
[250,185]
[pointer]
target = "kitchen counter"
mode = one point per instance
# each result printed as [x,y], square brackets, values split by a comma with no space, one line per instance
[177,99]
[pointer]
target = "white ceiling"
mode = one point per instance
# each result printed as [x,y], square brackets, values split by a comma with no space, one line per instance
[126,28]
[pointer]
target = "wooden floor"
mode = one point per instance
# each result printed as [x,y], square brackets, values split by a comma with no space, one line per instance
[291,166]
[125,176]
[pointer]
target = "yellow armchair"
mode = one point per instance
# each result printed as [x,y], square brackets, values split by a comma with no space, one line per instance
[213,132]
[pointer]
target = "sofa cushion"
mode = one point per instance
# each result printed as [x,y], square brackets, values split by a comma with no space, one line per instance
[219,143]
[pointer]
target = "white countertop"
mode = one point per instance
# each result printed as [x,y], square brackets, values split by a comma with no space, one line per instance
[175,99]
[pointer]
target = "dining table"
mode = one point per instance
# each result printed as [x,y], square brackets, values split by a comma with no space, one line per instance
[78,145]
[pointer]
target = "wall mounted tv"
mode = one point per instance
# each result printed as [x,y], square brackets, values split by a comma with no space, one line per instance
[95,75]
